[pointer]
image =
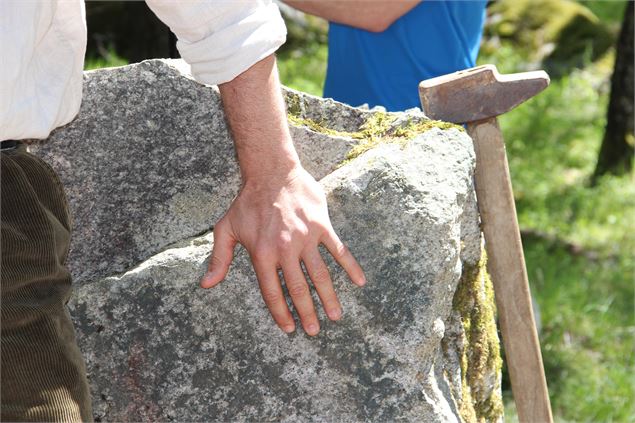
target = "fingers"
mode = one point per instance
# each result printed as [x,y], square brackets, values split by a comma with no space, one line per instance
[222,255]
[319,274]
[271,291]
[301,296]
[298,288]
[343,256]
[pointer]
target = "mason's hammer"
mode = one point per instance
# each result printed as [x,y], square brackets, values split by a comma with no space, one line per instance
[475,97]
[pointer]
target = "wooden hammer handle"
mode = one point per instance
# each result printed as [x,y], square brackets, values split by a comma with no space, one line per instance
[506,264]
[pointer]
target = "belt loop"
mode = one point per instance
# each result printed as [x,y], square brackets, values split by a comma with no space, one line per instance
[9,145]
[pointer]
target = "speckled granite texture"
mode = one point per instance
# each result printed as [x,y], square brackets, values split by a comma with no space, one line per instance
[149,162]
[149,167]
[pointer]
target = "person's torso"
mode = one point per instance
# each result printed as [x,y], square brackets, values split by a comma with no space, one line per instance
[44,41]
[434,38]
[43,46]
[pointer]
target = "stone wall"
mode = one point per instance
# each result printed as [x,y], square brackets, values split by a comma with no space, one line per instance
[149,167]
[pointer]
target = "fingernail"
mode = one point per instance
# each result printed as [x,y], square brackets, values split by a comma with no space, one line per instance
[335,314]
[288,329]
[362,281]
[312,329]
[206,280]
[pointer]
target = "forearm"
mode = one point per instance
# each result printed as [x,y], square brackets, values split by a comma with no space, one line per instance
[280,215]
[371,15]
[257,118]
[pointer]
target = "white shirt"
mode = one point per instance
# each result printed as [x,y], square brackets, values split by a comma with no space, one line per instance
[43,43]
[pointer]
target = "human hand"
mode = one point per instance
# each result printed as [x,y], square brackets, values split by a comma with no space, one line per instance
[280,221]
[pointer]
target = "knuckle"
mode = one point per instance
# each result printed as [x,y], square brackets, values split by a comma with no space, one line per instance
[341,251]
[298,289]
[320,276]
[302,231]
[262,253]
[284,247]
[284,243]
[271,297]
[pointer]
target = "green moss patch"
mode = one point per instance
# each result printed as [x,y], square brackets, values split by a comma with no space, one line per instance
[474,301]
[315,126]
[377,129]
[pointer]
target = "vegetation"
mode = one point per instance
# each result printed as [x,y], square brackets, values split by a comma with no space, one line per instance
[578,244]
[304,67]
[107,59]
[474,300]
[379,128]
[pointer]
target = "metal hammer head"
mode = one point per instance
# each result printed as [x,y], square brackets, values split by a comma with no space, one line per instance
[478,93]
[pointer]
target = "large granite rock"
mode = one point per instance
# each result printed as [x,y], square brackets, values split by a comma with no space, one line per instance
[140,129]
[159,348]
[149,167]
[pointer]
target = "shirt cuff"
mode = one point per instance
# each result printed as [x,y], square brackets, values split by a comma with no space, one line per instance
[229,51]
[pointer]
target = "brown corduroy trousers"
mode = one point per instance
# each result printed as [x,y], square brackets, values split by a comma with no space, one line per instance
[43,376]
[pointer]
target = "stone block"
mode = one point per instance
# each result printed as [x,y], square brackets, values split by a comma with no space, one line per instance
[149,166]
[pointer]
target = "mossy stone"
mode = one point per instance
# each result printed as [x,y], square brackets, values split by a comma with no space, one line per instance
[474,301]
[378,128]
[558,33]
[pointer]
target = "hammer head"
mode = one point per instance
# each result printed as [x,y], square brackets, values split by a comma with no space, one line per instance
[478,93]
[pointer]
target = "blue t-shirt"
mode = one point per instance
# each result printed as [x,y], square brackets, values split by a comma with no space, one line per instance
[434,38]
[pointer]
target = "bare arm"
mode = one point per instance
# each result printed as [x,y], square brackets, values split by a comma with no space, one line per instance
[371,15]
[280,215]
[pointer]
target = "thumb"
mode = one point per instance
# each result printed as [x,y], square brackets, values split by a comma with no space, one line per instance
[222,255]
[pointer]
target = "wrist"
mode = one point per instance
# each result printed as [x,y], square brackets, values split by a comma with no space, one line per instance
[267,168]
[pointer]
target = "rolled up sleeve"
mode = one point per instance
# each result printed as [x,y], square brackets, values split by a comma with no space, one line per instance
[220,39]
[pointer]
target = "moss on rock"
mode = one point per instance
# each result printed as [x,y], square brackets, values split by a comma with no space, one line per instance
[294,104]
[315,126]
[481,361]
[378,128]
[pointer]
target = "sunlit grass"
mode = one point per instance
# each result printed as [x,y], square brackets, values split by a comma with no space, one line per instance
[581,245]
[108,59]
[304,70]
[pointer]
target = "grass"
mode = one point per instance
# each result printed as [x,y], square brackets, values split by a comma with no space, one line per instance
[580,243]
[304,69]
[587,325]
[108,59]
[610,11]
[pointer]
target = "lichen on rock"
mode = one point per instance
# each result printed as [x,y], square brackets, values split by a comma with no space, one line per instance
[481,361]
[378,128]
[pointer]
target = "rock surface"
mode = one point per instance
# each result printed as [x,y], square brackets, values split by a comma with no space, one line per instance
[149,167]
[149,162]
[159,348]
